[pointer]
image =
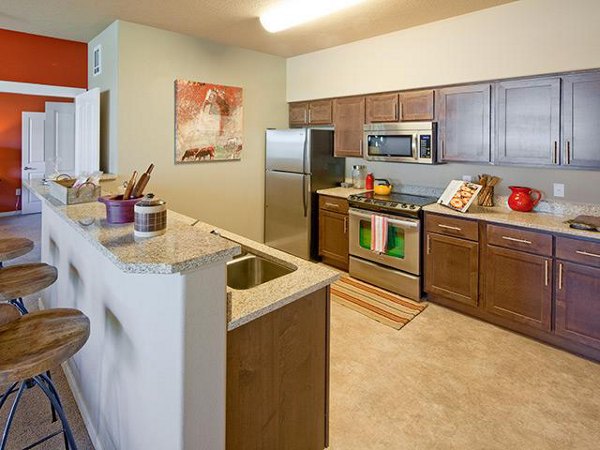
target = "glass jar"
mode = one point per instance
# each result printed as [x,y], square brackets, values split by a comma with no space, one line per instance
[359,173]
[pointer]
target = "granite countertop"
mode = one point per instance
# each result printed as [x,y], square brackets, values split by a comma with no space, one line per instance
[249,304]
[341,192]
[182,248]
[186,247]
[547,221]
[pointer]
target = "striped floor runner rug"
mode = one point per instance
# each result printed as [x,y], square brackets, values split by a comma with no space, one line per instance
[378,304]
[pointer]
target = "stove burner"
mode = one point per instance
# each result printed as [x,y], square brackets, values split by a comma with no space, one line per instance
[395,203]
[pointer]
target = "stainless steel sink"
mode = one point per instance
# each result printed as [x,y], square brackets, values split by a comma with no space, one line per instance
[249,270]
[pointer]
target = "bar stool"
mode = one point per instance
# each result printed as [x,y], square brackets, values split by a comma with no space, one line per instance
[30,346]
[21,280]
[12,248]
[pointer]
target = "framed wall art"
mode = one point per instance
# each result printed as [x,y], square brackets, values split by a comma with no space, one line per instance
[208,122]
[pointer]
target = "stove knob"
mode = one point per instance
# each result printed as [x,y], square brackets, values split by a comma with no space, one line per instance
[404,205]
[412,206]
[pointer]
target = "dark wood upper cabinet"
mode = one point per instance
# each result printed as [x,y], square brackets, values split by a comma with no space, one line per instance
[518,286]
[451,268]
[381,108]
[348,120]
[417,105]
[528,122]
[581,116]
[464,126]
[298,114]
[578,303]
[320,112]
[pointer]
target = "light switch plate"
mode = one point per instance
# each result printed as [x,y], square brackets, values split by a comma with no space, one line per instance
[559,190]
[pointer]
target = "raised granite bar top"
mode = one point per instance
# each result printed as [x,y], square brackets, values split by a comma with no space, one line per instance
[181,248]
[190,243]
[341,192]
[546,221]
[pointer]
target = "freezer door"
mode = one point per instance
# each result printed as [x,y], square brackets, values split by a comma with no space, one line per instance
[288,212]
[286,150]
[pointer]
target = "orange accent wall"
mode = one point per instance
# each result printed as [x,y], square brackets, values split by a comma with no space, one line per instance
[30,58]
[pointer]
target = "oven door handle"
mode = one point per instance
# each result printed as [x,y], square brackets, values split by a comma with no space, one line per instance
[404,223]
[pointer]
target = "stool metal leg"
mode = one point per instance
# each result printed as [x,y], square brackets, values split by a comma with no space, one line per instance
[11,416]
[20,305]
[9,391]
[39,380]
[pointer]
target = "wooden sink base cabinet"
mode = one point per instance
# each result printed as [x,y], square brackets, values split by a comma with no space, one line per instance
[277,378]
[543,285]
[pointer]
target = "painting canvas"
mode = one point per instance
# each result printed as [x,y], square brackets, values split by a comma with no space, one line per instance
[208,122]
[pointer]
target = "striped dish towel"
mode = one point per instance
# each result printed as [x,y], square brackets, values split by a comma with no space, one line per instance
[379,232]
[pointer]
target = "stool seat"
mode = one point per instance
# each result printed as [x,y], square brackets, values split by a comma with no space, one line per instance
[40,341]
[21,280]
[12,248]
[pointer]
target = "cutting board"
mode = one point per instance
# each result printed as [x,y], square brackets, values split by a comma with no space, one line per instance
[591,221]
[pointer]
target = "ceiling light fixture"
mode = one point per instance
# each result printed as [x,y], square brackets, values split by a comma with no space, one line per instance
[289,13]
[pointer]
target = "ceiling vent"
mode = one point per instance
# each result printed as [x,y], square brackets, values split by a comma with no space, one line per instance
[97,60]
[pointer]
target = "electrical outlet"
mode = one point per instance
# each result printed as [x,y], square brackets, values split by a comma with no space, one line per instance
[467,178]
[18,191]
[559,190]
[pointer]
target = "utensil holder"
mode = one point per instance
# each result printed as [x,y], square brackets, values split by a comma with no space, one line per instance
[119,210]
[486,197]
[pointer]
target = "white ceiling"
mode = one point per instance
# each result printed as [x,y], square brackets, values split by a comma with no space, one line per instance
[231,22]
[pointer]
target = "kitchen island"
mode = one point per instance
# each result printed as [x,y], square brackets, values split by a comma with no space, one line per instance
[154,373]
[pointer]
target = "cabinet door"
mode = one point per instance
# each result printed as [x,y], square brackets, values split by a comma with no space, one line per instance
[333,238]
[464,123]
[320,113]
[298,113]
[382,108]
[581,116]
[518,286]
[578,303]
[348,120]
[528,122]
[451,268]
[416,105]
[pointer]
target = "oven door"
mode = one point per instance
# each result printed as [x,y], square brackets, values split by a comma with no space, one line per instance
[396,146]
[403,252]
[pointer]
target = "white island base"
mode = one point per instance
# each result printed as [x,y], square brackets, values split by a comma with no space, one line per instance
[152,375]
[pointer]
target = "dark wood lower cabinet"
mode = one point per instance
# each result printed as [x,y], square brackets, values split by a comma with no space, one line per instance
[451,268]
[578,303]
[278,378]
[333,238]
[518,286]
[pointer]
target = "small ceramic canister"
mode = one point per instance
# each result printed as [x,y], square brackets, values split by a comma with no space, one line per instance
[150,217]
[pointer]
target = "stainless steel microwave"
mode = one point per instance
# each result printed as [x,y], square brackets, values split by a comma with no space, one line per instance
[411,142]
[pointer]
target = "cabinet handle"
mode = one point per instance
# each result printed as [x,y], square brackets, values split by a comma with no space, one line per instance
[595,255]
[443,149]
[522,241]
[305,113]
[555,155]
[560,275]
[361,146]
[545,272]
[309,115]
[332,205]
[448,227]
[345,224]
[428,244]
[568,152]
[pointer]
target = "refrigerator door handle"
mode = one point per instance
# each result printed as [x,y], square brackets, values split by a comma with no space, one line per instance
[305,153]
[304,199]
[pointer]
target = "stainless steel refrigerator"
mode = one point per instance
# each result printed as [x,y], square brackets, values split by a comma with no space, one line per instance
[298,163]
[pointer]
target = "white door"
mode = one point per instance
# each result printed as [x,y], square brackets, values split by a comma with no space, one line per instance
[87,132]
[32,157]
[60,138]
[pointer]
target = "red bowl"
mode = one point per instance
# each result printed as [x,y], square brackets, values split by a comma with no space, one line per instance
[119,210]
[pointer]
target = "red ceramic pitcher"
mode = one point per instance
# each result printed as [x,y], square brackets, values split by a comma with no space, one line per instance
[521,198]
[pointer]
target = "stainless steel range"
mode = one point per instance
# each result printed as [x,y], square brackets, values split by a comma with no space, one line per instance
[398,269]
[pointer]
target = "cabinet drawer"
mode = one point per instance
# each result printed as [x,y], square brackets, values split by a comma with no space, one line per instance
[577,250]
[520,239]
[335,204]
[452,226]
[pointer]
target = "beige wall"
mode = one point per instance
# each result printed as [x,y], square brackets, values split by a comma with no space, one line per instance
[226,194]
[522,38]
[107,81]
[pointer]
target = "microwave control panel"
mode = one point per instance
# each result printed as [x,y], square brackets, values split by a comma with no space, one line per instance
[425,146]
